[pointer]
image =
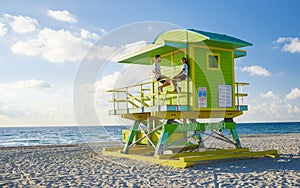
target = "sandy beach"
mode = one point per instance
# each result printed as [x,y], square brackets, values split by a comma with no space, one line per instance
[81,166]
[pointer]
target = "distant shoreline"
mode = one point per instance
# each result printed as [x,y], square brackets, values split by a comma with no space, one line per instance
[23,126]
[87,144]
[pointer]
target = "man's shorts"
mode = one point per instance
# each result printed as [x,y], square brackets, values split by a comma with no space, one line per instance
[160,79]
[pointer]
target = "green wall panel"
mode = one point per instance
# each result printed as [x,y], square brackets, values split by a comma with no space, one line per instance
[211,78]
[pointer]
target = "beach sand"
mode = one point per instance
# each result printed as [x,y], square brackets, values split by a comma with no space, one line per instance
[81,166]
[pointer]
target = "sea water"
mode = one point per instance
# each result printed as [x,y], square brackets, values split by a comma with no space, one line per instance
[61,135]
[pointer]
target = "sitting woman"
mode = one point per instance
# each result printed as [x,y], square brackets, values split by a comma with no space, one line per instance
[182,75]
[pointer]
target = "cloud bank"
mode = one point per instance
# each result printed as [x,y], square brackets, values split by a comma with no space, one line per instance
[256,70]
[21,24]
[3,29]
[290,44]
[295,93]
[64,16]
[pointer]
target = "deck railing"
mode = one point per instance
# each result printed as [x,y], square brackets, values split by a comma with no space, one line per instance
[146,95]
[240,106]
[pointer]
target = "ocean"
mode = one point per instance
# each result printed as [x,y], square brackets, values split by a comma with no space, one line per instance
[55,135]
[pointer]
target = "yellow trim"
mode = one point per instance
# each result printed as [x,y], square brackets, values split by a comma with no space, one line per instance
[139,116]
[186,154]
[207,61]
[187,159]
[172,163]
[192,99]
[229,156]
[202,114]
[211,48]
[241,83]
[233,81]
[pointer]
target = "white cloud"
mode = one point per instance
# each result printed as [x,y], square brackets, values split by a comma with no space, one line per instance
[29,84]
[283,39]
[22,24]
[269,94]
[94,94]
[103,31]
[101,52]
[27,102]
[113,53]
[275,110]
[3,29]
[54,46]
[24,106]
[256,70]
[59,46]
[29,48]
[107,82]
[290,44]
[85,34]
[129,48]
[295,93]
[292,109]
[102,97]
[64,16]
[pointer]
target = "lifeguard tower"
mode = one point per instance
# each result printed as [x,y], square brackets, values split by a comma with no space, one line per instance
[170,128]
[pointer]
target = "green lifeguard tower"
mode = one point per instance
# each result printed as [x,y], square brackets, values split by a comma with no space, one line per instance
[168,123]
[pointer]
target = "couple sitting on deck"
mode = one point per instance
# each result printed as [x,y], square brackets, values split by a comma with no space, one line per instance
[182,75]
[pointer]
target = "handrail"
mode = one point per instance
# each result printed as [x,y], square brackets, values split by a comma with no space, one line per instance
[135,85]
[142,95]
[239,95]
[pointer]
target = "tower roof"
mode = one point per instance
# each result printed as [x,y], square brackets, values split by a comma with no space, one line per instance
[172,40]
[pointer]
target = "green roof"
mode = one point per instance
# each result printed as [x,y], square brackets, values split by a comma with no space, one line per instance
[222,40]
[173,40]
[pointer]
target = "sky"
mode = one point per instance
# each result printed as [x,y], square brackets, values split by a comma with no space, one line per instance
[43,45]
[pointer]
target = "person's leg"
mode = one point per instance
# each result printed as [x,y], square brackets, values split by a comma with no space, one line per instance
[166,83]
[174,82]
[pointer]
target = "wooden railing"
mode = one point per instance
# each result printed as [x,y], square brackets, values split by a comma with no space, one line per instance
[240,106]
[146,95]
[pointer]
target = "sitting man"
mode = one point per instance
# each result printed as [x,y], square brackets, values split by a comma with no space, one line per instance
[157,74]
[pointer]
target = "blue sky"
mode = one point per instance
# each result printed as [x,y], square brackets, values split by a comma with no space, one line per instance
[37,72]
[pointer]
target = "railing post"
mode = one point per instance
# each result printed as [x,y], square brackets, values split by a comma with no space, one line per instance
[237,96]
[126,92]
[141,99]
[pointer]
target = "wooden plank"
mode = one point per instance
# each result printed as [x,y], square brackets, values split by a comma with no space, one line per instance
[144,149]
[228,156]
[172,163]
[241,94]
[188,161]
[241,83]
[118,100]
[112,149]
[172,93]
[186,154]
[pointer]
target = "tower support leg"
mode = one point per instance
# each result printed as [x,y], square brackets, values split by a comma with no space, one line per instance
[235,138]
[131,136]
[161,143]
[199,138]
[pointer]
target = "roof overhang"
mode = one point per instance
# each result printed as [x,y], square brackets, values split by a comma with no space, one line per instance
[239,53]
[144,55]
